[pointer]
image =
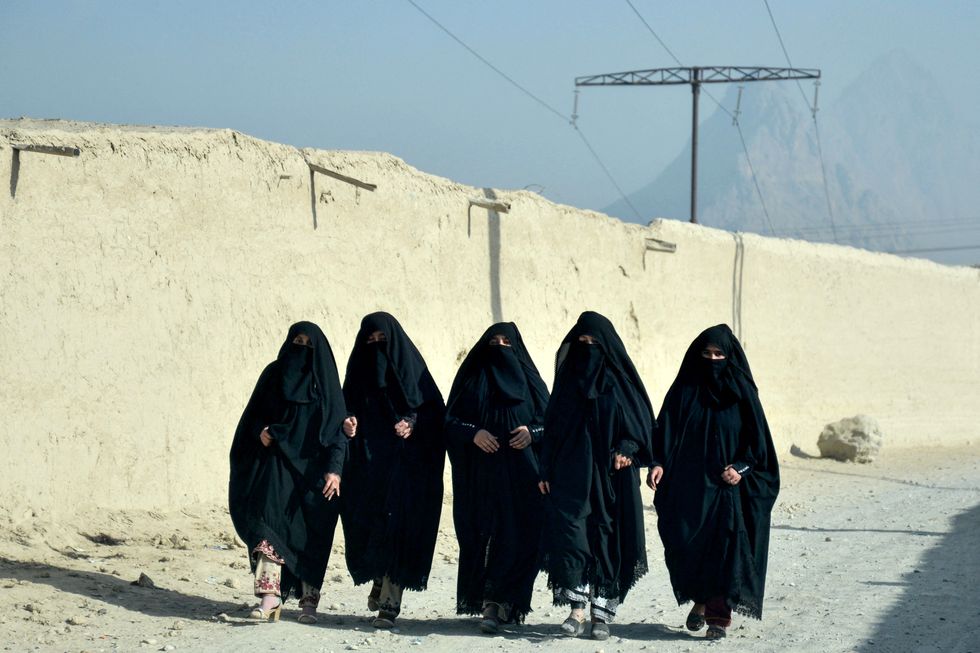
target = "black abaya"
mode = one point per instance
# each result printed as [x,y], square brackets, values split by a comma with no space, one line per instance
[275,492]
[392,486]
[497,507]
[716,535]
[599,407]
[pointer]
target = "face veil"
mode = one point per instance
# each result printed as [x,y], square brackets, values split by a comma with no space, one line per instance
[502,375]
[584,371]
[308,374]
[393,363]
[722,380]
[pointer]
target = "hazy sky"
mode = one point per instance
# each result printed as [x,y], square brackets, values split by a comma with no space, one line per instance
[378,75]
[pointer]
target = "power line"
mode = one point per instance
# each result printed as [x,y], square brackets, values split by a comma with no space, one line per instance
[734,117]
[490,65]
[925,250]
[816,126]
[896,223]
[823,176]
[655,35]
[606,170]
[911,228]
[785,53]
[537,99]
[754,178]
[674,57]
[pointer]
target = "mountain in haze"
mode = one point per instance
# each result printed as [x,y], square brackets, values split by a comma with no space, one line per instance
[901,166]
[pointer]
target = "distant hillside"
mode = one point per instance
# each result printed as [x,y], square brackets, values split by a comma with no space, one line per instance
[902,167]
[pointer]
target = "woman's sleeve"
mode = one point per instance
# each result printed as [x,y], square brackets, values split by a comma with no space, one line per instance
[627,448]
[753,437]
[537,432]
[428,424]
[546,449]
[629,439]
[336,454]
[256,415]
[459,433]
[663,432]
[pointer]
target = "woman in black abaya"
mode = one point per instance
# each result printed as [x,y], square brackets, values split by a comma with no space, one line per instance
[597,430]
[286,461]
[393,477]
[716,476]
[494,420]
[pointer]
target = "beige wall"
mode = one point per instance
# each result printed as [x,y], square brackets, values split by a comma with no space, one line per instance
[146,283]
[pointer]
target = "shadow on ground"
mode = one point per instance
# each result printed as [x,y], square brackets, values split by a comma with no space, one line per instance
[872,477]
[940,608]
[463,626]
[818,529]
[164,602]
[154,602]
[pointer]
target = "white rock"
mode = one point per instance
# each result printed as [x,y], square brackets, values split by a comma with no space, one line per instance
[856,438]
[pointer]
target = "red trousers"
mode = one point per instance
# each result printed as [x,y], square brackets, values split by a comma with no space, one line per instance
[717,612]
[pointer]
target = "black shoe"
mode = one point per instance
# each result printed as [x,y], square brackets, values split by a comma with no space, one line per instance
[695,620]
[572,627]
[600,630]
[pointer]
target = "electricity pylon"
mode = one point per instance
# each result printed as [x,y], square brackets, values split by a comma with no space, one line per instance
[696,76]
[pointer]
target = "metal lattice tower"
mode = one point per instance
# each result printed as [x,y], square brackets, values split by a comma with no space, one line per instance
[696,76]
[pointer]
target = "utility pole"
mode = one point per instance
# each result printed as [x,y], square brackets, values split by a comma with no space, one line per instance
[696,76]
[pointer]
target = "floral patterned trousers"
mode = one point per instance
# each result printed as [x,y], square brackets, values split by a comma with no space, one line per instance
[385,596]
[268,576]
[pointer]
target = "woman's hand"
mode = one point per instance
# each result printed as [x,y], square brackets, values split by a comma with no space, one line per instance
[545,487]
[350,426]
[486,441]
[332,487]
[621,462]
[730,476]
[654,476]
[266,437]
[403,429]
[522,437]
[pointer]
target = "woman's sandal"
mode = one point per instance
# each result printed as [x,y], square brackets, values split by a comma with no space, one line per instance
[695,620]
[600,630]
[307,617]
[572,627]
[490,621]
[272,614]
[716,632]
[384,620]
[489,625]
